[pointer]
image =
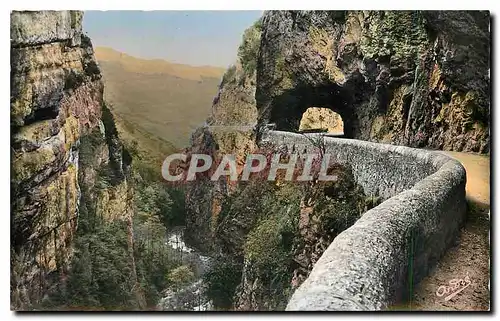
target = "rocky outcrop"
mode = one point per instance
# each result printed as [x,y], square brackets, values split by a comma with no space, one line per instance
[281,246]
[229,130]
[415,78]
[323,119]
[56,104]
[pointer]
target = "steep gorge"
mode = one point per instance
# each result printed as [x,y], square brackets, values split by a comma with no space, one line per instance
[69,170]
[419,79]
[411,78]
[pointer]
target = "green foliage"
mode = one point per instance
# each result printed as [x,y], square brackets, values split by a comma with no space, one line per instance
[229,76]
[100,274]
[145,170]
[259,225]
[269,252]
[269,215]
[157,207]
[174,215]
[280,222]
[338,204]
[156,197]
[269,244]
[248,52]
[221,280]
[180,276]
[154,260]
[89,145]
[244,198]
[101,270]
[107,176]
[152,198]
[269,247]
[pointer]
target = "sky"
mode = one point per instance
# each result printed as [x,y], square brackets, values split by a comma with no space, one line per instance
[189,37]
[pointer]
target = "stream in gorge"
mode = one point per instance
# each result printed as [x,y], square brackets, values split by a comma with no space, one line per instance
[190,297]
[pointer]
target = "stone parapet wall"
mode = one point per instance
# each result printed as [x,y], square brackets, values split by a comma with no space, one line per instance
[375,263]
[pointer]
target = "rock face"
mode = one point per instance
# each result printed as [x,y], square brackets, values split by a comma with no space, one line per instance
[419,79]
[229,130]
[56,104]
[416,78]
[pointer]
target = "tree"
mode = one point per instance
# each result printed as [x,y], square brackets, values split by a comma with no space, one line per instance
[180,276]
[248,52]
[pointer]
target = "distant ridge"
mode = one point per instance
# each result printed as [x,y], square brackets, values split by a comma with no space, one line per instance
[166,100]
[155,66]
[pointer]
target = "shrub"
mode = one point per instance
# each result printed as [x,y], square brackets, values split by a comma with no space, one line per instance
[180,276]
[154,260]
[248,52]
[100,271]
[222,279]
[229,76]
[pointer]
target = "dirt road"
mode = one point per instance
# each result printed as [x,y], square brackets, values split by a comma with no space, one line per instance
[470,257]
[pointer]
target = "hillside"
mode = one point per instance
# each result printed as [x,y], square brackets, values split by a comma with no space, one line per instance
[146,148]
[163,99]
[155,66]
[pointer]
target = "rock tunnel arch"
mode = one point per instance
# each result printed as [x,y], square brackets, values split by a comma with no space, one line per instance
[287,109]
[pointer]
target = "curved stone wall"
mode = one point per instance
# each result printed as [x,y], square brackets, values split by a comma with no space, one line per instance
[377,261]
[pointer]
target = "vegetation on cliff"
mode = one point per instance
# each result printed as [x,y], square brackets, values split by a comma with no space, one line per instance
[269,234]
[248,51]
[90,209]
[119,263]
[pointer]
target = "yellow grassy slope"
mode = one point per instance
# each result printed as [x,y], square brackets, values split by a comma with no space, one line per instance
[168,101]
[155,66]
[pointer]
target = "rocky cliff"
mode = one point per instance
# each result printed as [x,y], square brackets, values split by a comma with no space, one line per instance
[66,156]
[417,78]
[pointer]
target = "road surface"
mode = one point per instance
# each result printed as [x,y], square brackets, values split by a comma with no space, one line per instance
[470,257]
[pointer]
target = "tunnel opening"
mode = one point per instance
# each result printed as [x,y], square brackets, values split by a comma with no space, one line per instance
[287,110]
[321,120]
